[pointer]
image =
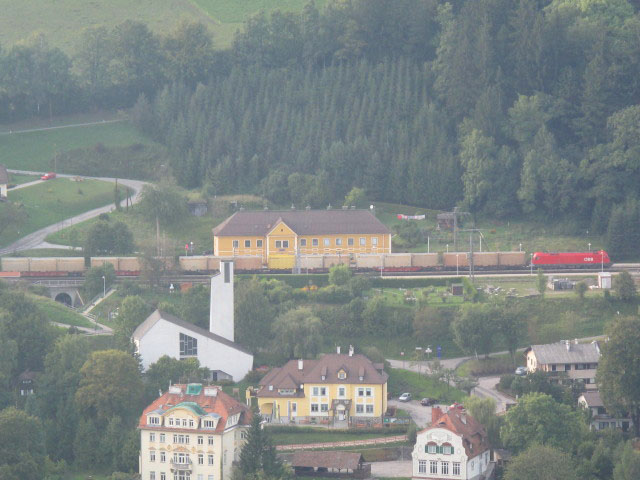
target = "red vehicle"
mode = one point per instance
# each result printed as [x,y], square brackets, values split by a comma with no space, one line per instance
[571,259]
[48,176]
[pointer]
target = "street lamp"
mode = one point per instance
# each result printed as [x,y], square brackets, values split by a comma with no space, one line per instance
[447,248]
[589,246]
[402,355]
[419,356]
[520,248]
[104,286]
[457,274]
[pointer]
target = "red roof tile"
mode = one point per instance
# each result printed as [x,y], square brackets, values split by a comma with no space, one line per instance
[458,421]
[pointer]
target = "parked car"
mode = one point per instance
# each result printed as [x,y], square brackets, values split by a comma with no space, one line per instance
[48,176]
[521,371]
[427,402]
[405,397]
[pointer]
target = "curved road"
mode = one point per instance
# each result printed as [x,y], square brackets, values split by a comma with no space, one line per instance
[36,239]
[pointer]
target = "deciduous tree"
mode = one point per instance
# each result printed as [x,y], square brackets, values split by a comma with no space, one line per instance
[22,452]
[541,462]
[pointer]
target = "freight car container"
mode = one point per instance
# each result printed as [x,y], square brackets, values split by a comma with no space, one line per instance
[193,264]
[425,260]
[15,264]
[512,259]
[397,260]
[128,264]
[252,264]
[43,265]
[100,261]
[369,261]
[213,263]
[486,260]
[332,260]
[71,264]
[449,260]
[311,263]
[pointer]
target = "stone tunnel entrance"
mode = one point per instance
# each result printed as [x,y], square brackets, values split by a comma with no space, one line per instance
[64,298]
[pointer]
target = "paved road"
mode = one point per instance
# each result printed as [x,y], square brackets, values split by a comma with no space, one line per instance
[398,468]
[42,129]
[24,185]
[487,388]
[421,415]
[36,239]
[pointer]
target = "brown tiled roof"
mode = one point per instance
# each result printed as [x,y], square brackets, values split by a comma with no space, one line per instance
[4,175]
[222,404]
[593,398]
[327,460]
[458,421]
[303,222]
[328,366]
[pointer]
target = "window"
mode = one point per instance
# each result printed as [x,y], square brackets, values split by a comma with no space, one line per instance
[210,440]
[447,450]
[368,392]
[191,422]
[338,242]
[303,242]
[208,424]
[152,475]
[201,459]
[444,468]
[154,420]
[315,391]
[326,241]
[314,242]
[171,422]
[324,407]
[350,242]
[433,466]
[456,468]
[188,346]
[163,456]
[181,439]
[210,477]
[369,408]
[235,244]
[259,243]
[200,476]
[285,244]
[342,375]
[422,466]
[314,407]
[152,437]
[184,422]
[323,391]
[162,437]
[163,476]
[553,367]
[181,458]
[430,448]
[200,440]
[363,241]
[152,456]
[359,408]
[341,392]
[374,241]
[278,243]
[361,392]
[247,244]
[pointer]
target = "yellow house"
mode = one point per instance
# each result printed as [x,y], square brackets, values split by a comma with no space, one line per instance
[337,388]
[278,236]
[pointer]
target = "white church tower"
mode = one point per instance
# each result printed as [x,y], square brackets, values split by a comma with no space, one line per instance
[221,310]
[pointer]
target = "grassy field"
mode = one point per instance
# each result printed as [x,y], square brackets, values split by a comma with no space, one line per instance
[17,179]
[36,150]
[56,312]
[56,200]
[62,21]
[420,386]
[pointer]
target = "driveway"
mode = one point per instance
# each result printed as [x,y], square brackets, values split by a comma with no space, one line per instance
[398,468]
[36,239]
[420,415]
[487,388]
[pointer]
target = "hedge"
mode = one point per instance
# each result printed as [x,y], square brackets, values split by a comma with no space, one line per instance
[381,282]
[299,281]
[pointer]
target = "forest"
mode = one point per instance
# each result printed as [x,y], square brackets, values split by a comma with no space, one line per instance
[422,102]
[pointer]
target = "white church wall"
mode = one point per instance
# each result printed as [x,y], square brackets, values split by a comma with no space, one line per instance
[221,321]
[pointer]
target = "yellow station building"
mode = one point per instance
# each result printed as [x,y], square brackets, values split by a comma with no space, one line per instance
[336,388]
[273,234]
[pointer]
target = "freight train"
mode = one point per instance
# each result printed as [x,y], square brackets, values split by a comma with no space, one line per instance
[388,263]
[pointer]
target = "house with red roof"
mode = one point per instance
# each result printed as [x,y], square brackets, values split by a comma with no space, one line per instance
[454,446]
[192,432]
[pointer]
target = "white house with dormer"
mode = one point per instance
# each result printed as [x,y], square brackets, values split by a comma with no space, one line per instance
[165,334]
[455,446]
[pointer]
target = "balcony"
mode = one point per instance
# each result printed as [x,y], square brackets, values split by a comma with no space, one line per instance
[183,466]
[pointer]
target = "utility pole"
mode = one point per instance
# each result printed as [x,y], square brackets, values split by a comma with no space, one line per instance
[455,229]
[471,255]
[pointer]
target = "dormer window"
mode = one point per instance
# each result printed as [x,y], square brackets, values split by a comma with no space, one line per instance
[324,377]
[153,420]
[171,421]
[208,424]
[342,375]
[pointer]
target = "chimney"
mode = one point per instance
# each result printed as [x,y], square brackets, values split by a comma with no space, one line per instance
[307,208]
[568,345]
[338,349]
[351,350]
[300,364]
[329,207]
[221,320]
[575,341]
[293,207]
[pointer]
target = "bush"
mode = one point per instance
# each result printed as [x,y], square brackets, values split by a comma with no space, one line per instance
[253,377]
[333,294]
[299,281]
[505,382]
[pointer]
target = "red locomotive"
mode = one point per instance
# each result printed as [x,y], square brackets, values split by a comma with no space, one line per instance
[571,259]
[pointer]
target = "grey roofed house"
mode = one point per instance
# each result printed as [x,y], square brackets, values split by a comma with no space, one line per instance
[592,399]
[302,222]
[566,352]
